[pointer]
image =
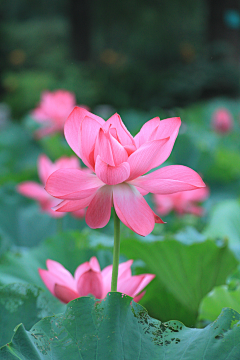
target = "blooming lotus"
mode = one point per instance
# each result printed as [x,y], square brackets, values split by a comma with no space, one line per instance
[222,121]
[37,192]
[53,111]
[90,280]
[118,162]
[181,202]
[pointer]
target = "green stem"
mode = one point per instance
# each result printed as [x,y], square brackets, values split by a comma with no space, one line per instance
[116,251]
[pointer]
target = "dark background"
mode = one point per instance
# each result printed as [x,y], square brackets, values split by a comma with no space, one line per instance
[142,54]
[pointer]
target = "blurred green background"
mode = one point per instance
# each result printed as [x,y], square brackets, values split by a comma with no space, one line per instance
[143,54]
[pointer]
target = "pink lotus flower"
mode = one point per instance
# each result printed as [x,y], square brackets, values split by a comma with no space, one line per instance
[119,161]
[53,111]
[37,192]
[181,202]
[89,279]
[222,121]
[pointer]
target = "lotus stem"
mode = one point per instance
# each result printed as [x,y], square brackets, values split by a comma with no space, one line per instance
[116,251]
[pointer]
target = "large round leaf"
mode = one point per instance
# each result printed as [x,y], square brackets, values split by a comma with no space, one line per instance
[185,273]
[23,303]
[118,328]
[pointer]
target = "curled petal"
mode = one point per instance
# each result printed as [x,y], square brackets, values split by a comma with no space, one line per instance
[103,148]
[64,293]
[90,282]
[48,279]
[112,175]
[59,270]
[132,209]
[81,269]
[73,205]
[142,159]
[109,149]
[120,154]
[72,184]
[146,131]
[51,279]
[88,138]
[99,209]
[124,269]
[130,286]
[147,278]
[72,127]
[166,128]
[133,285]
[130,149]
[94,264]
[124,136]
[170,179]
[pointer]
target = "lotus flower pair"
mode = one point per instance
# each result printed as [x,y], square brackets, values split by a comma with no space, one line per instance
[37,192]
[90,280]
[181,202]
[118,162]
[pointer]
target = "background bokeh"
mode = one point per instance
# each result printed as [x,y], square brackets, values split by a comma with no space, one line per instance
[142,54]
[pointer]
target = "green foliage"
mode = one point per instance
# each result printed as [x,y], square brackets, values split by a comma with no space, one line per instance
[225,222]
[219,298]
[118,328]
[70,249]
[23,303]
[185,273]
[191,270]
[18,154]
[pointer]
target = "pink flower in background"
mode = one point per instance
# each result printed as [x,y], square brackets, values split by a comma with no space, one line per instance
[37,192]
[53,111]
[119,161]
[181,202]
[89,279]
[222,121]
